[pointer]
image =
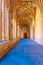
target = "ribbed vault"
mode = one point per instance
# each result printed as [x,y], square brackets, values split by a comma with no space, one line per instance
[24,11]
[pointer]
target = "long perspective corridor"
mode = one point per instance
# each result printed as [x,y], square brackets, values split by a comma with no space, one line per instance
[21,32]
[26,52]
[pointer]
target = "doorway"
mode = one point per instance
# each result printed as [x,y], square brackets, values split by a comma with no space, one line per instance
[25,35]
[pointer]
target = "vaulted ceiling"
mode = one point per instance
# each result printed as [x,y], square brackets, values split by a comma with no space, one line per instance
[25,9]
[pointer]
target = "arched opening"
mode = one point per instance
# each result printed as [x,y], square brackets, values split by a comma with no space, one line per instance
[25,30]
[25,35]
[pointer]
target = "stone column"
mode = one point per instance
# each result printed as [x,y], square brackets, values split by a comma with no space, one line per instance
[18,31]
[14,28]
[42,28]
[10,26]
[38,26]
[0,20]
[3,20]
[32,30]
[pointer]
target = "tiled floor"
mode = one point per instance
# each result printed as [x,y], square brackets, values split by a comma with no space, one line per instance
[27,52]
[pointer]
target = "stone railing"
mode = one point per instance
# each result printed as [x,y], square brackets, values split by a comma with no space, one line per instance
[4,48]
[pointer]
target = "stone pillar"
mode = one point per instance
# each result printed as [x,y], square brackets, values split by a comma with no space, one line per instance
[41,9]
[42,28]
[38,26]
[32,30]
[14,28]
[0,20]
[10,26]
[18,31]
[3,20]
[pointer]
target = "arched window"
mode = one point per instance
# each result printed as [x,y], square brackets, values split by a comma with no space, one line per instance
[6,23]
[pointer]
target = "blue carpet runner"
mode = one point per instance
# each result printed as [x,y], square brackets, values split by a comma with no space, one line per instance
[26,52]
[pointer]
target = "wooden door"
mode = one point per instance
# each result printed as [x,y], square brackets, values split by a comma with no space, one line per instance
[25,35]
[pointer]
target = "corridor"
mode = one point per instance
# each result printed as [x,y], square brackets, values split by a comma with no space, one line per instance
[26,52]
[21,32]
